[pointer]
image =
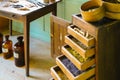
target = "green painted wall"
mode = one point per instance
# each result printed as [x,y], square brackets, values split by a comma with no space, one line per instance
[40,28]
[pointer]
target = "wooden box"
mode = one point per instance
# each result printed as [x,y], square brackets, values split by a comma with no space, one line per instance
[80,65]
[81,36]
[57,73]
[83,76]
[84,51]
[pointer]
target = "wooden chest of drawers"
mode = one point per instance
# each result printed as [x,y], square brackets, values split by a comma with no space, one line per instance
[97,43]
[106,33]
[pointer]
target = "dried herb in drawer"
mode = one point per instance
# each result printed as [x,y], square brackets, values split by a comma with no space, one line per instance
[79,43]
[82,32]
[60,73]
[76,54]
[70,66]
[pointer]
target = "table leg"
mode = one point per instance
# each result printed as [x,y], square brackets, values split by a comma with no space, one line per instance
[26,45]
[54,12]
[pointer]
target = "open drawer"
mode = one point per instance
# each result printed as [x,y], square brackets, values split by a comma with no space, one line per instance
[82,35]
[57,73]
[84,51]
[71,71]
[77,59]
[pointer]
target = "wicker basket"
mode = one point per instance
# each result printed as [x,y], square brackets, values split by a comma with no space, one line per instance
[113,15]
[112,7]
[92,11]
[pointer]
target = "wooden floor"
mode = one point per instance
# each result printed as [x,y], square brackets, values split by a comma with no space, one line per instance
[40,62]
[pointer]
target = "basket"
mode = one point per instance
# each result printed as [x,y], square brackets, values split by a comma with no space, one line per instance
[112,7]
[112,15]
[92,11]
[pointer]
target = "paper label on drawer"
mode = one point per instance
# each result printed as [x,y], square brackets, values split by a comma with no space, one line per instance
[5,50]
[16,55]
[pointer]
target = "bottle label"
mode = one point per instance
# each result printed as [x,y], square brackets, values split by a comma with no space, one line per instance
[5,50]
[16,55]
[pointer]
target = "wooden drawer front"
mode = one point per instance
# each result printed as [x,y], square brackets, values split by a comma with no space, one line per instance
[57,73]
[82,76]
[81,35]
[85,53]
[75,58]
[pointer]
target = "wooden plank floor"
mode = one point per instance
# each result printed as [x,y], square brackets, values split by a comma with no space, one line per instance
[40,62]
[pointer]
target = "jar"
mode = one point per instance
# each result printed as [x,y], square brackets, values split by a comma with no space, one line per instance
[19,52]
[7,48]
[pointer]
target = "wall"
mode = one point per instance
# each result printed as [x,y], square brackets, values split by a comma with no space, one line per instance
[40,28]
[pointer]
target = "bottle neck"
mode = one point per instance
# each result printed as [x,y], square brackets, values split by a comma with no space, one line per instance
[6,39]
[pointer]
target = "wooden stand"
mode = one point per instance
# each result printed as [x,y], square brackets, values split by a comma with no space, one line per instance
[105,40]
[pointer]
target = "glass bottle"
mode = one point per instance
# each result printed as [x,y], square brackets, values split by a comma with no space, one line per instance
[19,52]
[1,40]
[7,48]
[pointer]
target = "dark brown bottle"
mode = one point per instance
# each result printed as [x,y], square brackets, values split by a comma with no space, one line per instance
[19,52]
[7,48]
[1,40]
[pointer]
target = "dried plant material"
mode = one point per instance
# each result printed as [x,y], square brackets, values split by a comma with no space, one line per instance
[17,6]
[62,75]
[87,34]
[30,5]
[14,1]
[76,55]
[82,32]
[23,8]
[7,4]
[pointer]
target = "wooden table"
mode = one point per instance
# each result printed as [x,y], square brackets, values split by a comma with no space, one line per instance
[26,16]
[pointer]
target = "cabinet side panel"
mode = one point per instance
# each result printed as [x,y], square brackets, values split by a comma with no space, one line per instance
[108,49]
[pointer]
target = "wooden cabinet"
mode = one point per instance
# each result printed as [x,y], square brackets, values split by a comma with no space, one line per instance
[97,43]
[107,36]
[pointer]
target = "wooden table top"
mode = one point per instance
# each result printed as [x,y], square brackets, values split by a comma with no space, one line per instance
[6,6]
